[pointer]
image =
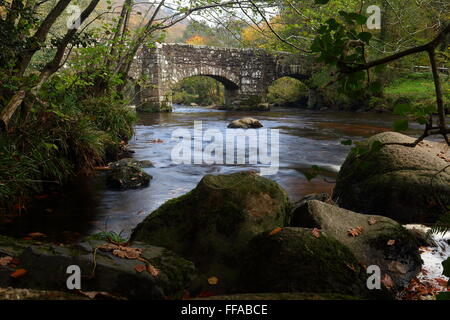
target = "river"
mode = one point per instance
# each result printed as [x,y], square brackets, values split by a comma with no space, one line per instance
[306,138]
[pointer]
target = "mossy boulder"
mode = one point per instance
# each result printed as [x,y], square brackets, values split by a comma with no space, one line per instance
[212,224]
[382,241]
[406,184]
[295,260]
[46,266]
[128,174]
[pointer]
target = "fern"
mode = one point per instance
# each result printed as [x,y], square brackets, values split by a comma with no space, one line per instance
[442,226]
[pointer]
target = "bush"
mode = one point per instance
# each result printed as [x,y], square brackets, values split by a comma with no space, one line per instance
[58,136]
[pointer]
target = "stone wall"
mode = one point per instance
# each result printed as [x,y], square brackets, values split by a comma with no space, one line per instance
[245,73]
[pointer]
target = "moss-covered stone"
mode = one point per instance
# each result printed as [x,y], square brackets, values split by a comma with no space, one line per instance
[127,174]
[403,183]
[382,242]
[212,224]
[294,260]
[46,266]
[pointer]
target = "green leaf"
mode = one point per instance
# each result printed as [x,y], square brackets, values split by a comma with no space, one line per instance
[365,36]
[401,125]
[321,1]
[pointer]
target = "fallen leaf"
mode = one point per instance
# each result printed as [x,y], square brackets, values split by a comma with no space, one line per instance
[315,232]
[442,282]
[213,281]
[275,231]
[391,242]
[355,231]
[4,261]
[398,267]
[372,221]
[18,273]
[108,247]
[152,270]
[119,253]
[140,268]
[387,281]
[37,235]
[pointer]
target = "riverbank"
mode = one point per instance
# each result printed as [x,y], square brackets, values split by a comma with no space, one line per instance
[47,147]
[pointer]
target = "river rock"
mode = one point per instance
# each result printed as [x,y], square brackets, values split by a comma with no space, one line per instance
[212,224]
[382,241]
[406,184]
[245,123]
[295,260]
[46,266]
[128,174]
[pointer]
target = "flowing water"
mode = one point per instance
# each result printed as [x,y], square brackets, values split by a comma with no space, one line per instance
[306,138]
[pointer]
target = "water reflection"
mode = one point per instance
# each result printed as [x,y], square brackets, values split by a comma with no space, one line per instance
[306,138]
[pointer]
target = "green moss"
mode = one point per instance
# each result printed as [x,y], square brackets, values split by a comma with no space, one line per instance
[212,224]
[295,261]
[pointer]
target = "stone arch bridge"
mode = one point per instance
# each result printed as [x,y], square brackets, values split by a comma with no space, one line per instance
[245,73]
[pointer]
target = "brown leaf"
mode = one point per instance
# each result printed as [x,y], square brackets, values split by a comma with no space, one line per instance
[442,282]
[391,242]
[108,247]
[4,261]
[140,267]
[18,273]
[152,270]
[119,253]
[372,221]
[387,281]
[315,232]
[213,281]
[275,231]
[37,235]
[355,231]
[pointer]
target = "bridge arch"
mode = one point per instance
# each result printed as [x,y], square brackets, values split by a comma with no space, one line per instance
[245,73]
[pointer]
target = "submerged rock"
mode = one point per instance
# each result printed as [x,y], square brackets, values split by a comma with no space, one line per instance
[296,260]
[128,174]
[212,224]
[46,266]
[406,184]
[381,241]
[245,123]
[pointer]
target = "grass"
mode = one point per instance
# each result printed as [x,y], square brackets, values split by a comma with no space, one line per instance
[416,87]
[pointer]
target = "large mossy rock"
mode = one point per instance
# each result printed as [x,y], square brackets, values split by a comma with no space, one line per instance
[46,266]
[406,184]
[295,260]
[382,241]
[128,174]
[213,223]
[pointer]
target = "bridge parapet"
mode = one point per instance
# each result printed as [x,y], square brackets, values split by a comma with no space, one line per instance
[245,73]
